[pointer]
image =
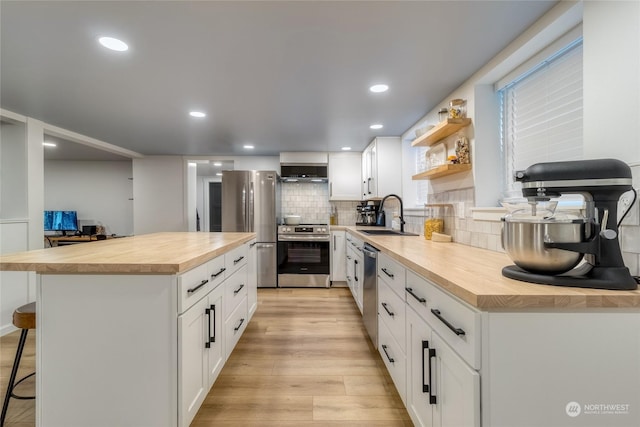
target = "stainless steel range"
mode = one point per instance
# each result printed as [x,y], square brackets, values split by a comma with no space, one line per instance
[303,255]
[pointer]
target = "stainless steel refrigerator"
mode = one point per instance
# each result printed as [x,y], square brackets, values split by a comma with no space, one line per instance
[251,203]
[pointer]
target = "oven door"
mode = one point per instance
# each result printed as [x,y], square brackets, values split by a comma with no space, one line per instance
[303,262]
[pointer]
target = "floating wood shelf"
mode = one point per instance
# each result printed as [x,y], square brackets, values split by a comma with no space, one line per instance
[440,171]
[440,131]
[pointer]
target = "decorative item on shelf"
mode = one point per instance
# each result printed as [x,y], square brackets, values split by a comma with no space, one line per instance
[462,150]
[452,160]
[457,108]
[443,114]
[436,156]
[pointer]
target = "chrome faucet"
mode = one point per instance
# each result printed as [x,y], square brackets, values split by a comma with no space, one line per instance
[381,217]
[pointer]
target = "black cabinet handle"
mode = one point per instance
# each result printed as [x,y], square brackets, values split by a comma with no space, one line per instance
[355,269]
[390,313]
[222,270]
[192,290]
[384,348]
[213,310]
[239,324]
[384,270]
[207,344]
[211,314]
[252,244]
[239,289]
[455,330]
[420,299]
[235,261]
[432,396]
[425,387]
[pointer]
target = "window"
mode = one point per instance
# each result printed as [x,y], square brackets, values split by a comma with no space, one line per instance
[541,114]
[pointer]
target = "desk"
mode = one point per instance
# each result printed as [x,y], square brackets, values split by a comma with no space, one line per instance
[54,241]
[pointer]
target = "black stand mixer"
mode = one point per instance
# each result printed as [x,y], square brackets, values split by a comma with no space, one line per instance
[601,182]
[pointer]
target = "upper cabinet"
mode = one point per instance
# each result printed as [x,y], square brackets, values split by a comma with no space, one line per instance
[344,175]
[381,168]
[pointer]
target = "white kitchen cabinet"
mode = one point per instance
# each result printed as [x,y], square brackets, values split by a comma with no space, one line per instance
[200,353]
[355,268]
[443,391]
[381,168]
[252,277]
[192,359]
[344,175]
[338,256]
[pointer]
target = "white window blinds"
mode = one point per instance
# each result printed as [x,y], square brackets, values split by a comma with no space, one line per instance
[542,115]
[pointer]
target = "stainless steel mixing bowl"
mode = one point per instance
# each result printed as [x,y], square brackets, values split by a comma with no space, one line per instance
[524,241]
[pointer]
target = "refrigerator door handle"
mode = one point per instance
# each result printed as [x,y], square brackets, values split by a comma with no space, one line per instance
[250,215]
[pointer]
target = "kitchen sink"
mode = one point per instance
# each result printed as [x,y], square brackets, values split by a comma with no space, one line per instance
[386,233]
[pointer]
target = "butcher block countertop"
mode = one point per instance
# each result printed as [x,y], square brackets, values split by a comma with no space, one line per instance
[475,276]
[157,253]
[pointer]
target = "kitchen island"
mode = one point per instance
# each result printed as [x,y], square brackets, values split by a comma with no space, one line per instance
[134,331]
[467,346]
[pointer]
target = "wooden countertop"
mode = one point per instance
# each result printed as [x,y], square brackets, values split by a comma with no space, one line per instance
[157,253]
[475,276]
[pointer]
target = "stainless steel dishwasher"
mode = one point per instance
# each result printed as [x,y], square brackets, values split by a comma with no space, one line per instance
[370,292]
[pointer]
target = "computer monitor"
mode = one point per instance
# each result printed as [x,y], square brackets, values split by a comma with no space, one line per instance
[60,221]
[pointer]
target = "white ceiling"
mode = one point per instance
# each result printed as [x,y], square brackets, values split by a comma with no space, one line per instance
[284,76]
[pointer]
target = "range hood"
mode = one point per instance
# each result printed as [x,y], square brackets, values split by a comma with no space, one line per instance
[304,166]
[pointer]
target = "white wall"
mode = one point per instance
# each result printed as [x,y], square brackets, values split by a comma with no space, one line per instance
[612,80]
[99,190]
[159,194]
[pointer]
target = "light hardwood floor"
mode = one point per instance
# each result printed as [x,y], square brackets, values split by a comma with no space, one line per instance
[304,360]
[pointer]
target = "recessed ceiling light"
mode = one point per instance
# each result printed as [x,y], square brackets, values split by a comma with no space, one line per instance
[49,144]
[219,174]
[376,126]
[113,44]
[217,164]
[198,114]
[346,148]
[248,147]
[379,88]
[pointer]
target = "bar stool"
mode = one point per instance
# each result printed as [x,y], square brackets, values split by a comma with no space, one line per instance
[24,317]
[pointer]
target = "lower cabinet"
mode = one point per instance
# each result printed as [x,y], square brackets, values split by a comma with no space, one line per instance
[338,256]
[355,273]
[442,389]
[200,353]
[210,328]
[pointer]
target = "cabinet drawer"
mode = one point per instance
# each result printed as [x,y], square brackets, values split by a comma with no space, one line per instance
[235,289]
[394,359]
[235,326]
[392,272]
[216,269]
[234,259]
[458,324]
[392,312]
[192,285]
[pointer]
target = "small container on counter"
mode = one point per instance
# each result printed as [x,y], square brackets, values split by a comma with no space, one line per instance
[433,222]
[333,217]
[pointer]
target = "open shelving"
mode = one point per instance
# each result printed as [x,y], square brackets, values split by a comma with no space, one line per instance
[441,130]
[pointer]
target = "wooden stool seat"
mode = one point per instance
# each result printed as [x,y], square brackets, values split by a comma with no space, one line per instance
[24,317]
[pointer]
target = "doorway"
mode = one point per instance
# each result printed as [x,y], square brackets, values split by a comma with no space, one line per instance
[215,206]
